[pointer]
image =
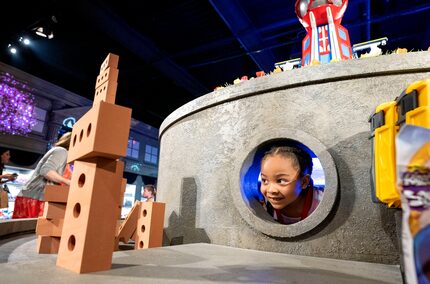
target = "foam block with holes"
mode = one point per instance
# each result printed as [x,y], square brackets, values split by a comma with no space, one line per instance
[121,196]
[90,219]
[47,227]
[54,210]
[102,131]
[150,224]
[106,93]
[128,227]
[56,193]
[110,61]
[48,244]
[108,75]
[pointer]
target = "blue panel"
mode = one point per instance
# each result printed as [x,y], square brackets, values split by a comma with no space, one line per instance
[325,58]
[306,45]
[345,50]
[342,34]
[307,58]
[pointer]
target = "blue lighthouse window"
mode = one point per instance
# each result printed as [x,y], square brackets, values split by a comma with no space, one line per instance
[306,45]
[342,34]
[325,58]
[345,50]
[307,57]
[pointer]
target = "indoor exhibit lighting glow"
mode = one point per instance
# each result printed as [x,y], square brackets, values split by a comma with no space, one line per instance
[12,49]
[17,106]
[24,40]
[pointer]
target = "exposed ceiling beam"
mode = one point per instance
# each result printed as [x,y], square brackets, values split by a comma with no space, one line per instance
[242,28]
[117,28]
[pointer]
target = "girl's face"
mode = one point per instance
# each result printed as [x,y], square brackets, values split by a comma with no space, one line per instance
[5,157]
[281,184]
[147,193]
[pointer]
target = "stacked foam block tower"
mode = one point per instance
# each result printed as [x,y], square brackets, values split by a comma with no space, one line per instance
[144,224]
[99,139]
[49,227]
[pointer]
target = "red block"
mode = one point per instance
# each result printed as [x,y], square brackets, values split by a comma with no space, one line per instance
[110,61]
[110,74]
[102,132]
[150,225]
[47,244]
[87,241]
[121,196]
[128,227]
[56,193]
[106,93]
[53,210]
[47,227]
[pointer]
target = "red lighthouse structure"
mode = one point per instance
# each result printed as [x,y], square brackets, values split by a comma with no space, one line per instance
[326,40]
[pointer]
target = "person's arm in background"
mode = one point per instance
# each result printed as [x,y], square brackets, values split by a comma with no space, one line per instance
[57,158]
[7,176]
[55,177]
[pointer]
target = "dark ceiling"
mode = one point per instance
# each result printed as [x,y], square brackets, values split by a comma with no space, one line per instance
[174,51]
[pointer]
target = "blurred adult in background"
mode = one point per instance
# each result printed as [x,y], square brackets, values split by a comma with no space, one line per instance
[4,159]
[4,178]
[30,200]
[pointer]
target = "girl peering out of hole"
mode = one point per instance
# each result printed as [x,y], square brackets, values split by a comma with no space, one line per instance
[287,186]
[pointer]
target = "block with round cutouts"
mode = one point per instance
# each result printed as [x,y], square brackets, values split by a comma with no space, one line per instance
[102,132]
[87,239]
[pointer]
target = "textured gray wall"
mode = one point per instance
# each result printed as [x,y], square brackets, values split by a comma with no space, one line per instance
[204,144]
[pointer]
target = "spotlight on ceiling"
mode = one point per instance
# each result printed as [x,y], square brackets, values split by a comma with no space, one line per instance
[44,32]
[24,40]
[12,49]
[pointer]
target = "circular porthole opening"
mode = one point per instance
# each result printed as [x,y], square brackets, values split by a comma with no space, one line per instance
[285,178]
[253,204]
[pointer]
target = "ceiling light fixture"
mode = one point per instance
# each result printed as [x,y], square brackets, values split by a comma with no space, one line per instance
[44,32]
[12,49]
[24,40]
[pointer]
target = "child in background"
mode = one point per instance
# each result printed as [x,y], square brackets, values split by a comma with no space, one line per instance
[149,193]
[287,186]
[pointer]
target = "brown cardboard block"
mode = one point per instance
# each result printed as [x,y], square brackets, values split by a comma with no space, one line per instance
[111,165]
[101,132]
[56,193]
[128,227]
[90,221]
[121,196]
[54,210]
[47,244]
[106,92]
[47,227]
[110,61]
[150,225]
[110,74]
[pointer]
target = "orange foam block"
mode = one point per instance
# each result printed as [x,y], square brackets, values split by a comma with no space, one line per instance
[106,93]
[110,61]
[150,225]
[90,219]
[121,196]
[128,227]
[53,210]
[102,131]
[45,227]
[110,74]
[56,193]
[47,244]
